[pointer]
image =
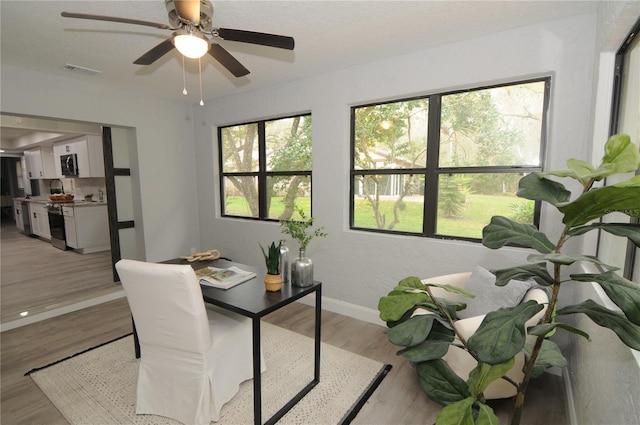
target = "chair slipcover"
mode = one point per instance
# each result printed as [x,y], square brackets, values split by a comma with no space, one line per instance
[460,361]
[193,358]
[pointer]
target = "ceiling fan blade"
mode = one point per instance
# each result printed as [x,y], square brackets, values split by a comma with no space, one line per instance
[115,19]
[189,10]
[221,55]
[272,40]
[156,53]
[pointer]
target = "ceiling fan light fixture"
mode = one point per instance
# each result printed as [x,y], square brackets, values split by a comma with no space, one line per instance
[190,44]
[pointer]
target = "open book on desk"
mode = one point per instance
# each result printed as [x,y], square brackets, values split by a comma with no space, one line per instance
[223,278]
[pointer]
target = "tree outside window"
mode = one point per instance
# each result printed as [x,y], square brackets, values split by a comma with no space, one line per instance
[266,168]
[442,165]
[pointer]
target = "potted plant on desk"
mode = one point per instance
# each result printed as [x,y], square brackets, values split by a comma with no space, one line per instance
[273,279]
[301,267]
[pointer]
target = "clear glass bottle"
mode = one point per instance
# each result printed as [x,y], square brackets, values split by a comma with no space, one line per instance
[284,262]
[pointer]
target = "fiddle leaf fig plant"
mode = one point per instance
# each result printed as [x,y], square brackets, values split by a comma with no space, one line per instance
[502,333]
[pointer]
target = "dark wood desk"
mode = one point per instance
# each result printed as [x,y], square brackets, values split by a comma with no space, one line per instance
[250,299]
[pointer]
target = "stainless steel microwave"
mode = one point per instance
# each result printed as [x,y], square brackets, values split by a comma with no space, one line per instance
[69,165]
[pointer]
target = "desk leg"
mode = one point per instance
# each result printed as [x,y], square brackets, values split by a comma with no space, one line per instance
[257,378]
[317,339]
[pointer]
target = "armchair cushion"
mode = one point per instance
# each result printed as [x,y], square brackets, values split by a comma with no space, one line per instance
[460,361]
[488,296]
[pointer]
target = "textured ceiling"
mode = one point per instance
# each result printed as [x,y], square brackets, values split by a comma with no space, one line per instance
[329,35]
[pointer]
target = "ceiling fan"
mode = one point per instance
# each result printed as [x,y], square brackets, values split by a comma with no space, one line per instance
[192,26]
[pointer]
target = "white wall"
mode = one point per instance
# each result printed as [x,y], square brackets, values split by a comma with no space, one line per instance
[164,139]
[360,267]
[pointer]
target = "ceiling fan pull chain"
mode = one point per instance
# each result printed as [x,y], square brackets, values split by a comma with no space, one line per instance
[184,79]
[200,66]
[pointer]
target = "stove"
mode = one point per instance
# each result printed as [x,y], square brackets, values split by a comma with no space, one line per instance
[56,225]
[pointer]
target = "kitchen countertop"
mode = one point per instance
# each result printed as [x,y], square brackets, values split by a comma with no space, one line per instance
[75,203]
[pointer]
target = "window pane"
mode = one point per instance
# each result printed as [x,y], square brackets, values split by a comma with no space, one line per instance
[286,194]
[497,126]
[240,148]
[391,135]
[241,196]
[389,202]
[466,202]
[289,144]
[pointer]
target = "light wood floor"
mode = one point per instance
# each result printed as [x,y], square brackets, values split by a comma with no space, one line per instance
[36,277]
[398,400]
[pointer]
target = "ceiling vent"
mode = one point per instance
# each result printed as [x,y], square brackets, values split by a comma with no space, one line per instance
[80,69]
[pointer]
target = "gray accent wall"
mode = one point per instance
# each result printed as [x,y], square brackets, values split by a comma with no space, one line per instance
[603,374]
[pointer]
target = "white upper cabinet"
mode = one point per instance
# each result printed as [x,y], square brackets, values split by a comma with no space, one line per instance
[89,153]
[40,163]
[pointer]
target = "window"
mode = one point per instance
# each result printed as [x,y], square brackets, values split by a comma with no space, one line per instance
[444,164]
[615,250]
[266,168]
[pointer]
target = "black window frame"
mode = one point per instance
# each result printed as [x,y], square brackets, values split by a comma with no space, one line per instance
[262,174]
[614,127]
[432,171]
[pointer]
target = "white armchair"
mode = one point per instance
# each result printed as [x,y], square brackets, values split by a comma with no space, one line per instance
[462,362]
[193,358]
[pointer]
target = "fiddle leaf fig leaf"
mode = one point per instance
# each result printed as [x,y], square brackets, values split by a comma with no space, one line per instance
[578,170]
[549,327]
[629,230]
[440,383]
[537,188]
[622,197]
[632,182]
[583,170]
[624,293]
[452,289]
[536,271]
[501,335]
[502,231]
[568,259]
[410,282]
[484,374]
[549,356]
[412,331]
[486,416]
[628,332]
[397,303]
[459,413]
[426,350]
[620,156]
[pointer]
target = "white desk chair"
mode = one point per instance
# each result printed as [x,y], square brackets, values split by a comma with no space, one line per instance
[193,357]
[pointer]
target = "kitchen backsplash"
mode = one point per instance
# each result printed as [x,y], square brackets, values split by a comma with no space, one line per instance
[86,186]
[76,186]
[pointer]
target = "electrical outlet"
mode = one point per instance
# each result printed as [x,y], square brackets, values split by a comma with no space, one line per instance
[193,250]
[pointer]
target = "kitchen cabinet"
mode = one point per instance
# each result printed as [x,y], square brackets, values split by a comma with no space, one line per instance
[40,163]
[89,155]
[40,220]
[87,228]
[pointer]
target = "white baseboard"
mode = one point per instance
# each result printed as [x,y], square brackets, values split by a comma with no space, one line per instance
[346,309]
[570,402]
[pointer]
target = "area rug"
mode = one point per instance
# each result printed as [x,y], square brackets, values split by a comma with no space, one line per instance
[98,386]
